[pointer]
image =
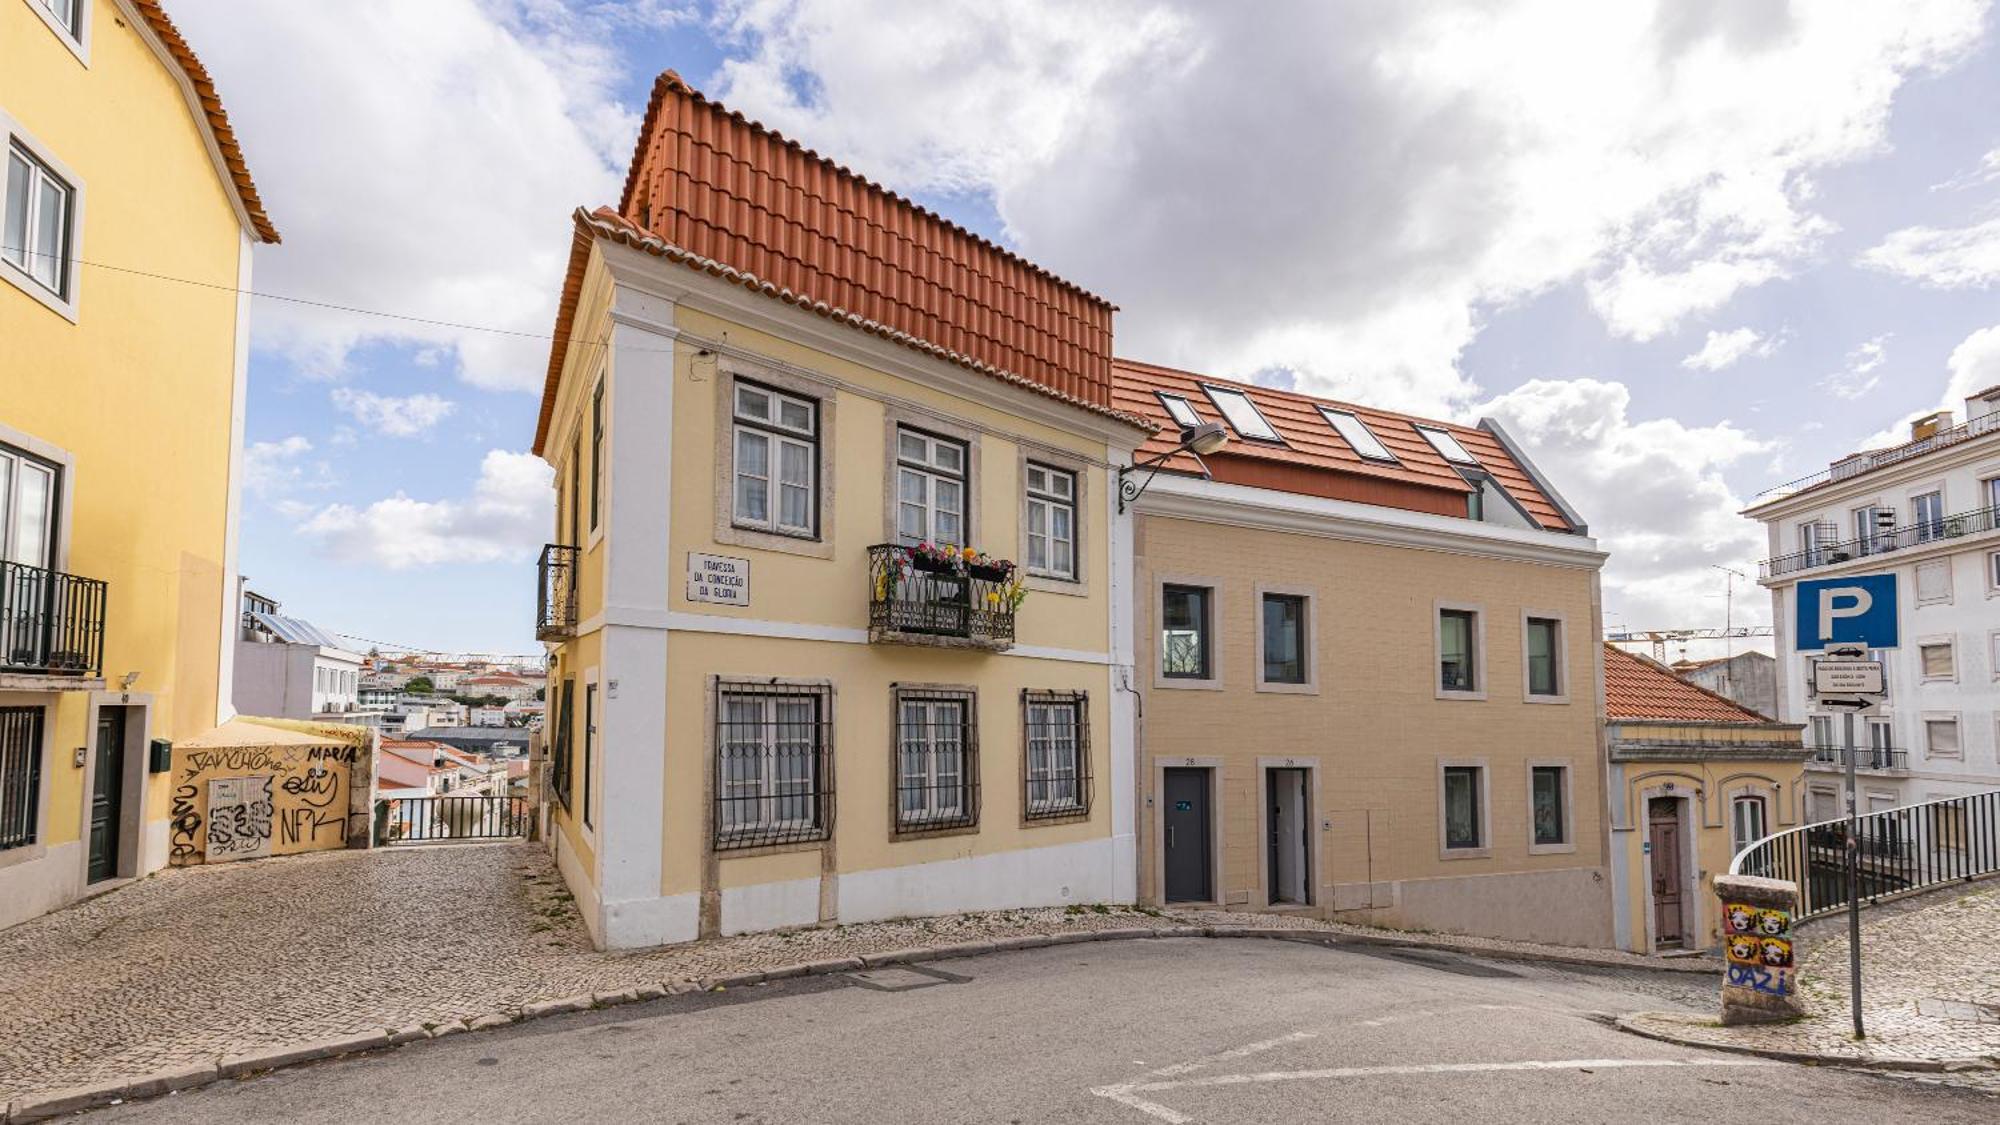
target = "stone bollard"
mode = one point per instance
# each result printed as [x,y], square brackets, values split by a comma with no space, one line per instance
[1760,982]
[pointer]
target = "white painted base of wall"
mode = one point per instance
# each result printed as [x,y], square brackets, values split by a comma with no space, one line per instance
[37,886]
[1566,906]
[1087,871]
[770,906]
[153,847]
[578,881]
[638,923]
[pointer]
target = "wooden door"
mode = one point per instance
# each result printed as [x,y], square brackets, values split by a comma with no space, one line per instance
[1663,834]
[107,794]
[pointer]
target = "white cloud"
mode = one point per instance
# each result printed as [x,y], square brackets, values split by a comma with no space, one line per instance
[1950,258]
[273,468]
[1721,349]
[1651,490]
[1860,373]
[1973,366]
[420,159]
[508,514]
[395,417]
[1987,172]
[1347,190]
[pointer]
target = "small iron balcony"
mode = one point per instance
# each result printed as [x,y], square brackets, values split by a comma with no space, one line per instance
[917,597]
[555,594]
[51,623]
[1921,534]
[1866,757]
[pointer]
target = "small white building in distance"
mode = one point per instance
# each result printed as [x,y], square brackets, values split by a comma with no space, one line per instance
[291,669]
[1924,511]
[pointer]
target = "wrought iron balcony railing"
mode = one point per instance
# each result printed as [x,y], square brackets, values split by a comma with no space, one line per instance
[51,623]
[555,594]
[913,600]
[1863,462]
[1938,530]
[1866,757]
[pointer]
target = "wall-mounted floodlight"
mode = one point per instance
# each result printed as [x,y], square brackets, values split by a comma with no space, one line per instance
[1195,441]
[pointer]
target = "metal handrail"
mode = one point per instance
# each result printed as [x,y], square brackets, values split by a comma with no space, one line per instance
[416,820]
[1863,462]
[1866,757]
[1912,847]
[555,593]
[51,622]
[1884,542]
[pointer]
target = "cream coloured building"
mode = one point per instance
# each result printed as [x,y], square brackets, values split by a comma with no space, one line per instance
[1368,652]
[777,393]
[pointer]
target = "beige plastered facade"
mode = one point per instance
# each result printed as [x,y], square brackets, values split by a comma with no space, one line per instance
[1702,769]
[668,344]
[1371,727]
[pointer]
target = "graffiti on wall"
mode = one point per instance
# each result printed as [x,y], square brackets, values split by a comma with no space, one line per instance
[246,802]
[1757,941]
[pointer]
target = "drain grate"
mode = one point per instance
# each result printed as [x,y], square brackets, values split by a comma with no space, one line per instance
[902,978]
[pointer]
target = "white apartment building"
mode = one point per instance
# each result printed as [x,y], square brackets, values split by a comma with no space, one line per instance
[1925,512]
[291,669]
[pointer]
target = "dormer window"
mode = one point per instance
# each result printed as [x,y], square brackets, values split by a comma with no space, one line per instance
[1242,414]
[1358,435]
[1447,446]
[1181,410]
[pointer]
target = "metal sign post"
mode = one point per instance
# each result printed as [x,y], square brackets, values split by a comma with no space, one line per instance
[1849,681]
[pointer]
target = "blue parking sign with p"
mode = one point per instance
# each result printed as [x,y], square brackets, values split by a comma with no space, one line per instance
[1847,611]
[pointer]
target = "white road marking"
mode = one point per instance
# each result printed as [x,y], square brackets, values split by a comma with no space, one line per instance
[1127,1093]
[1244,1051]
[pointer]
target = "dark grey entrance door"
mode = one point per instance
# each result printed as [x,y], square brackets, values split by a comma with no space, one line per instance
[1190,853]
[107,793]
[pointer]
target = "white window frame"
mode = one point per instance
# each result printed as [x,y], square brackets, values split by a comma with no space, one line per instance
[1044,740]
[1951,718]
[1483,800]
[15,463]
[1224,398]
[1308,640]
[1930,527]
[1567,844]
[1737,801]
[1048,501]
[777,437]
[1446,443]
[1950,645]
[931,470]
[1478,638]
[64,303]
[77,38]
[1560,656]
[1359,437]
[766,778]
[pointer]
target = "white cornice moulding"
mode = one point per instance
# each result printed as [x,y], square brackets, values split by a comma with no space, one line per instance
[686,622]
[1269,510]
[1869,482]
[675,281]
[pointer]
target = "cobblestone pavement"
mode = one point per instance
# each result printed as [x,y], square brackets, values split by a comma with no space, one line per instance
[203,962]
[1930,979]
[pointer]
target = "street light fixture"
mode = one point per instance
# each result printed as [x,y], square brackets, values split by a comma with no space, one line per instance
[1195,441]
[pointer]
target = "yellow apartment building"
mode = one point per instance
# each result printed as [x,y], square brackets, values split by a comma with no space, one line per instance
[781,405]
[1695,779]
[1368,651]
[121,415]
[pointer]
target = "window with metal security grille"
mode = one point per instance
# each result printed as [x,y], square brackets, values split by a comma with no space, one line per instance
[20,775]
[773,763]
[1551,805]
[38,230]
[1056,725]
[1457,659]
[1464,807]
[931,485]
[1184,632]
[1544,659]
[937,759]
[777,461]
[1051,511]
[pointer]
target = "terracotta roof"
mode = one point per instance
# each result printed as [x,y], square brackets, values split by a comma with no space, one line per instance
[218,120]
[609,225]
[1312,444]
[1638,688]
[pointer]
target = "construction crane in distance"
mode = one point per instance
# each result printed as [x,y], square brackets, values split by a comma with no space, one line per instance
[1660,638]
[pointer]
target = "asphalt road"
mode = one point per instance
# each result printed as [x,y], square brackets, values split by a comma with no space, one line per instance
[1122,1033]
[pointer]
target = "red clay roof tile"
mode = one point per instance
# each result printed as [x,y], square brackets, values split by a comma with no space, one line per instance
[1637,688]
[218,121]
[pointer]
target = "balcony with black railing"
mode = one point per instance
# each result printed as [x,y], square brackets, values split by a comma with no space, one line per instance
[1882,758]
[925,596]
[1851,467]
[1931,532]
[555,593]
[51,623]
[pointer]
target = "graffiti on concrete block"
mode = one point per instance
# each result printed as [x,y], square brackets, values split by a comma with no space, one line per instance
[239,818]
[1758,944]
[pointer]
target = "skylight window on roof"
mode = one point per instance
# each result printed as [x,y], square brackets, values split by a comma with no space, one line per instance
[1447,446]
[1181,409]
[1357,434]
[1242,413]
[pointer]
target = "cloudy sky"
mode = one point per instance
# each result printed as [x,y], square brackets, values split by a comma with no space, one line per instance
[1688,251]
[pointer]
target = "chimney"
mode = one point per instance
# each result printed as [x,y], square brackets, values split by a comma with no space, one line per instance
[1929,425]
